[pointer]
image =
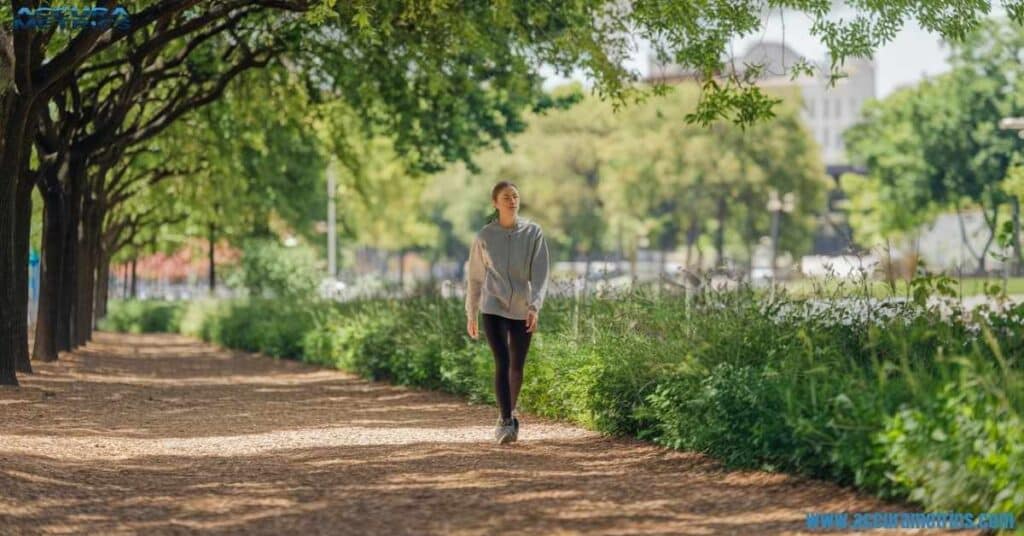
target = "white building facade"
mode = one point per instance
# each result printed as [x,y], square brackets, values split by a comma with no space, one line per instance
[827,110]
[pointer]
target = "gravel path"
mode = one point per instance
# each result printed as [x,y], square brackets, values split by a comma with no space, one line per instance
[160,434]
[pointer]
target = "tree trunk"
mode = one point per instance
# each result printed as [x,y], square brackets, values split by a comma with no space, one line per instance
[22,233]
[720,233]
[992,225]
[586,271]
[48,318]
[102,287]
[632,262]
[135,276]
[69,263]
[14,122]
[964,239]
[661,268]
[692,236]
[81,318]
[64,327]
[7,193]
[700,257]
[99,273]
[213,265]
[87,273]
[401,272]
[620,246]
[1018,257]
[8,330]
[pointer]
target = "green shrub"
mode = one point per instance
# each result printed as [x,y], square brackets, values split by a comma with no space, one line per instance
[271,270]
[142,316]
[964,448]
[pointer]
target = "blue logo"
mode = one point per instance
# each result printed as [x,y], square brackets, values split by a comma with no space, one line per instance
[97,18]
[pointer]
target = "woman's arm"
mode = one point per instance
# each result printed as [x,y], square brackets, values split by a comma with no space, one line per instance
[474,279]
[538,273]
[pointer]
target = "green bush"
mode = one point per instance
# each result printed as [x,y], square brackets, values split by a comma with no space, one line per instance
[963,449]
[142,316]
[271,270]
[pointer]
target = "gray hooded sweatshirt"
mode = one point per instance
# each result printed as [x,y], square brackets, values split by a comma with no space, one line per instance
[508,271]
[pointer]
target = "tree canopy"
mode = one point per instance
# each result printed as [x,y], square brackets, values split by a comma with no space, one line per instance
[938,146]
[440,81]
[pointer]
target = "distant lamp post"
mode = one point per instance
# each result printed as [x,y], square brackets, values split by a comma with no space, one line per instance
[332,224]
[777,206]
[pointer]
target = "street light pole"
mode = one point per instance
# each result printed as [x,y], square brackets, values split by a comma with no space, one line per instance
[775,240]
[777,206]
[332,264]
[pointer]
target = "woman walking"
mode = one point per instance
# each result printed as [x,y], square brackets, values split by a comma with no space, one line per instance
[508,277]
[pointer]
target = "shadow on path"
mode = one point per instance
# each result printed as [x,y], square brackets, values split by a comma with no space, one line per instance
[162,434]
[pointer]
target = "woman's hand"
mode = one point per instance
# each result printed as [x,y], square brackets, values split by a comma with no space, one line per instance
[531,321]
[472,329]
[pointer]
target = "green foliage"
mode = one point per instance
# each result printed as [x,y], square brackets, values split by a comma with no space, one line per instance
[142,316]
[937,145]
[269,269]
[474,86]
[598,179]
[963,449]
[275,328]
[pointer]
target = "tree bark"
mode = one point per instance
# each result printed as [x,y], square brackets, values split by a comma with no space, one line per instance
[22,232]
[993,225]
[213,265]
[102,286]
[135,276]
[81,318]
[692,236]
[963,232]
[720,233]
[87,272]
[50,269]
[7,185]
[14,120]
[8,330]
[632,260]
[401,272]
[67,334]
[1018,257]
[97,271]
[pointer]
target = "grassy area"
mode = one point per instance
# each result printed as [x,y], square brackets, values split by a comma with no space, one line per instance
[880,289]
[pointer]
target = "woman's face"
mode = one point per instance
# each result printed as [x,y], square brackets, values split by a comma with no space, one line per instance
[508,201]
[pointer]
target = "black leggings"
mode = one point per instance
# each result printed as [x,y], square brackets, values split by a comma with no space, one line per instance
[509,342]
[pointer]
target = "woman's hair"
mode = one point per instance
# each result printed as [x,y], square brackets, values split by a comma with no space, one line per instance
[501,185]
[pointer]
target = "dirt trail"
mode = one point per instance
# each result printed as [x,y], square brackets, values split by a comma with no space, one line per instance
[163,434]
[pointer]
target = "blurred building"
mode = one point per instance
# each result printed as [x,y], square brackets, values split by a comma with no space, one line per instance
[828,110]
